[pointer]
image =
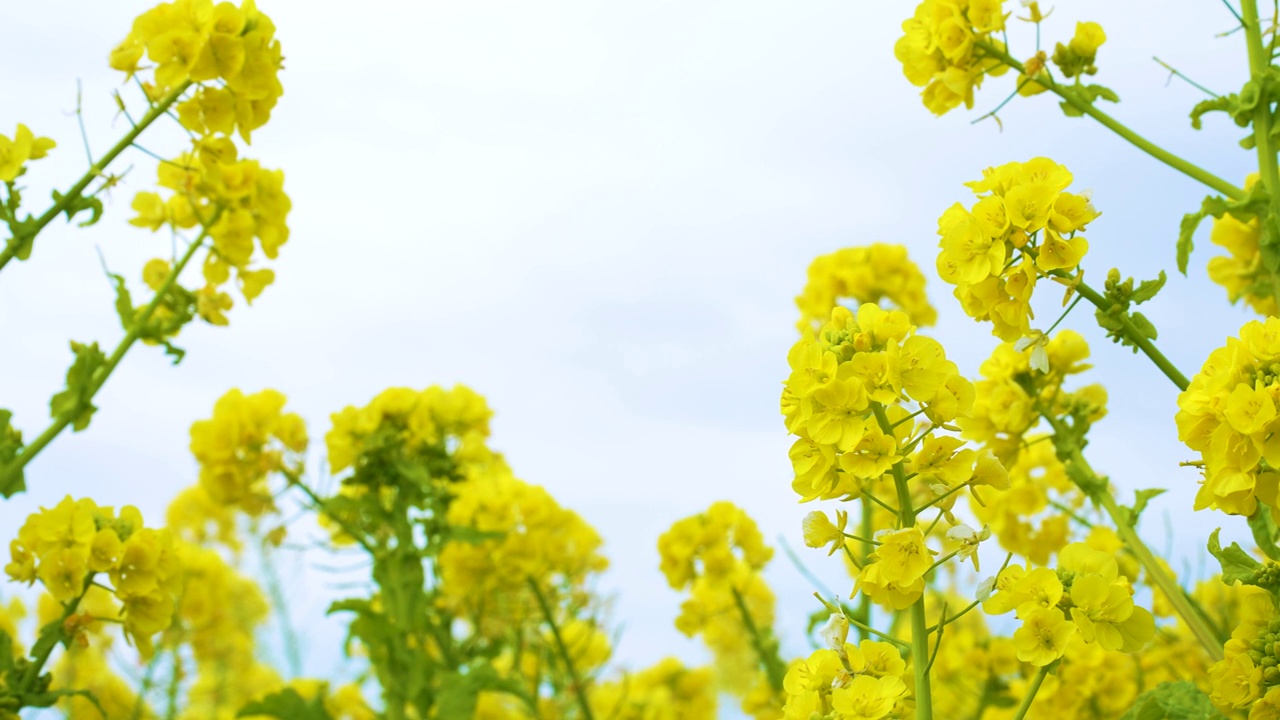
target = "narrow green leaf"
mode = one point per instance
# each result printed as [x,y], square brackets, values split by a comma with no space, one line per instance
[1147,289]
[1186,230]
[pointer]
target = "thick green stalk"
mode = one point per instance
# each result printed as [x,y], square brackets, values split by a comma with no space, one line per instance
[1031,693]
[1259,62]
[1069,94]
[10,250]
[867,529]
[60,423]
[919,628]
[1147,347]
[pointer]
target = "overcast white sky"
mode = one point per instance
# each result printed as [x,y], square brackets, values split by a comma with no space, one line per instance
[596,214]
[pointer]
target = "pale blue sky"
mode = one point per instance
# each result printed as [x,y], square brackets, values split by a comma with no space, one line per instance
[597,215]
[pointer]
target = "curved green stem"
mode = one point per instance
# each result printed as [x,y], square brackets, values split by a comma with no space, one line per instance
[1069,94]
[60,423]
[1147,347]
[11,247]
[547,615]
[1030,697]
[919,628]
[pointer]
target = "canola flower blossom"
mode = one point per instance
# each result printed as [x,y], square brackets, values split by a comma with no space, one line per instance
[477,593]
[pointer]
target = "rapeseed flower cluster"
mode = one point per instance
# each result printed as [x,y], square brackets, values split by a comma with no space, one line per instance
[717,556]
[940,52]
[229,52]
[1019,384]
[1228,415]
[665,691]
[867,681]
[866,274]
[248,439]
[1085,594]
[224,60]
[1024,227]
[413,420]
[839,375]
[236,201]
[528,535]
[68,546]
[1247,678]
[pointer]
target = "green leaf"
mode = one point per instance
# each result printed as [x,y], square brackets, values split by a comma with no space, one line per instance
[459,690]
[1263,527]
[1229,104]
[78,205]
[11,481]
[48,698]
[1236,563]
[1173,701]
[1089,94]
[1143,325]
[1186,230]
[74,401]
[124,301]
[288,705]
[1147,289]
[24,234]
[1140,500]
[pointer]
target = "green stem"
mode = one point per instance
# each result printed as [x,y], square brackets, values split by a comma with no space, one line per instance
[1147,347]
[318,504]
[919,628]
[867,529]
[769,660]
[44,648]
[1069,94]
[576,681]
[292,648]
[60,423]
[1030,697]
[175,679]
[11,247]
[1259,63]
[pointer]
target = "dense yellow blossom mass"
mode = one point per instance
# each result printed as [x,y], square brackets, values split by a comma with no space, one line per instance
[468,593]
